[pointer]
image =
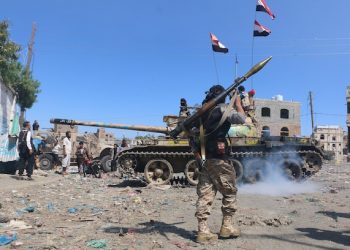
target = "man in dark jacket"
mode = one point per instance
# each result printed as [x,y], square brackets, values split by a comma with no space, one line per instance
[26,151]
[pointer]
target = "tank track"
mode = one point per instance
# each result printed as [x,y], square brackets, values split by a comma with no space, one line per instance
[181,180]
[306,169]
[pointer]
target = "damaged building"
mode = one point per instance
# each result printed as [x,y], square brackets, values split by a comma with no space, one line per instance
[331,138]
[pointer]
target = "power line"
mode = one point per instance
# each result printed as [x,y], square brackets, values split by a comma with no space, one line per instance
[327,114]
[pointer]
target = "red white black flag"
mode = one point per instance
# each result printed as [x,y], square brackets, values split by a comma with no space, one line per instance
[217,45]
[262,6]
[260,30]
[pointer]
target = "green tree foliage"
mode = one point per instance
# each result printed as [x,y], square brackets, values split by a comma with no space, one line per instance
[27,91]
[12,71]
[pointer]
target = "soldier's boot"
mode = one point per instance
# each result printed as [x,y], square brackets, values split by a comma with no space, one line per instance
[204,234]
[227,229]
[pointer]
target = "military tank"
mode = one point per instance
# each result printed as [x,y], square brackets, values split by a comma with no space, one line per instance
[252,154]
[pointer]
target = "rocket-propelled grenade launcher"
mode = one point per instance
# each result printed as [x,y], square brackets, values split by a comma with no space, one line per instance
[187,123]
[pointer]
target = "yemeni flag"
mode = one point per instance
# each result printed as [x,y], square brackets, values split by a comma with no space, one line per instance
[260,30]
[217,45]
[262,6]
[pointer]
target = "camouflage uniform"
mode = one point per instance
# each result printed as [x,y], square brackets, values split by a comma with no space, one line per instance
[216,175]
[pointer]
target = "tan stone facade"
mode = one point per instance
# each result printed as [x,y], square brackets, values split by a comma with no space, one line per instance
[331,138]
[278,116]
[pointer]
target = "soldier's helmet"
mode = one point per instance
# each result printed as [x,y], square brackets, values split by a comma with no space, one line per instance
[213,92]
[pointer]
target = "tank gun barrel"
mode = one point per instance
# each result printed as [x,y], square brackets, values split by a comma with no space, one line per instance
[154,129]
[187,123]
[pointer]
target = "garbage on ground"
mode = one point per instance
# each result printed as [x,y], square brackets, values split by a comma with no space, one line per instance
[50,207]
[17,225]
[40,172]
[275,221]
[72,210]
[4,218]
[16,244]
[159,187]
[5,239]
[29,209]
[97,243]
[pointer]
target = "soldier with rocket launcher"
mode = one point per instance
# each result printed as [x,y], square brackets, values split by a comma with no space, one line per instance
[213,121]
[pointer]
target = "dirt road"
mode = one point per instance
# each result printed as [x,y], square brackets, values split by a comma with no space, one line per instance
[71,211]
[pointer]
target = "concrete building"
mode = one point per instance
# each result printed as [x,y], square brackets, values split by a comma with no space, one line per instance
[331,138]
[278,116]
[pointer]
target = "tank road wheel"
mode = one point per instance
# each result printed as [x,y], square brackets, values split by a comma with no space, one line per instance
[313,163]
[158,172]
[237,165]
[254,169]
[106,163]
[127,164]
[292,168]
[45,162]
[191,172]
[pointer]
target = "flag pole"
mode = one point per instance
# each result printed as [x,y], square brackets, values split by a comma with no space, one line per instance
[236,67]
[253,43]
[216,68]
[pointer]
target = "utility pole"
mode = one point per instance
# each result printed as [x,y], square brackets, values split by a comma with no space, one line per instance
[30,50]
[312,111]
[27,68]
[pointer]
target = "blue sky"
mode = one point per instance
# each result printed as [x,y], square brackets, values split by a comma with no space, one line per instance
[131,61]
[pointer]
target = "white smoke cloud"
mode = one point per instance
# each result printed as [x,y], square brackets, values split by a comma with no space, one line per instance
[274,182]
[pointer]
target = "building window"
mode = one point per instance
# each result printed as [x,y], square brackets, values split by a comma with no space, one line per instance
[284,131]
[322,137]
[265,112]
[266,128]
[348,105]
[333,145]
[333,138]
[284,113]
[265,131]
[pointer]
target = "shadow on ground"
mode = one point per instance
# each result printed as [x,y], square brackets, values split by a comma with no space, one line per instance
[339,237]
[334,215]
[290,238]
[129,183]
[152,227]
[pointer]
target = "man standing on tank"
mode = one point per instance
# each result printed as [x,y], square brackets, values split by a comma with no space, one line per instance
[216,173]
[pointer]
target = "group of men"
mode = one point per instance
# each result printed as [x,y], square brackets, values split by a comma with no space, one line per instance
[82,155]
[27,152]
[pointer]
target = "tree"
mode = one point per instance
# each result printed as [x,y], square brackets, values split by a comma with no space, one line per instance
[10,69]
[13,73]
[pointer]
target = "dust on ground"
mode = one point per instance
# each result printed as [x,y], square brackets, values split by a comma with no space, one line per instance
[57,212]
